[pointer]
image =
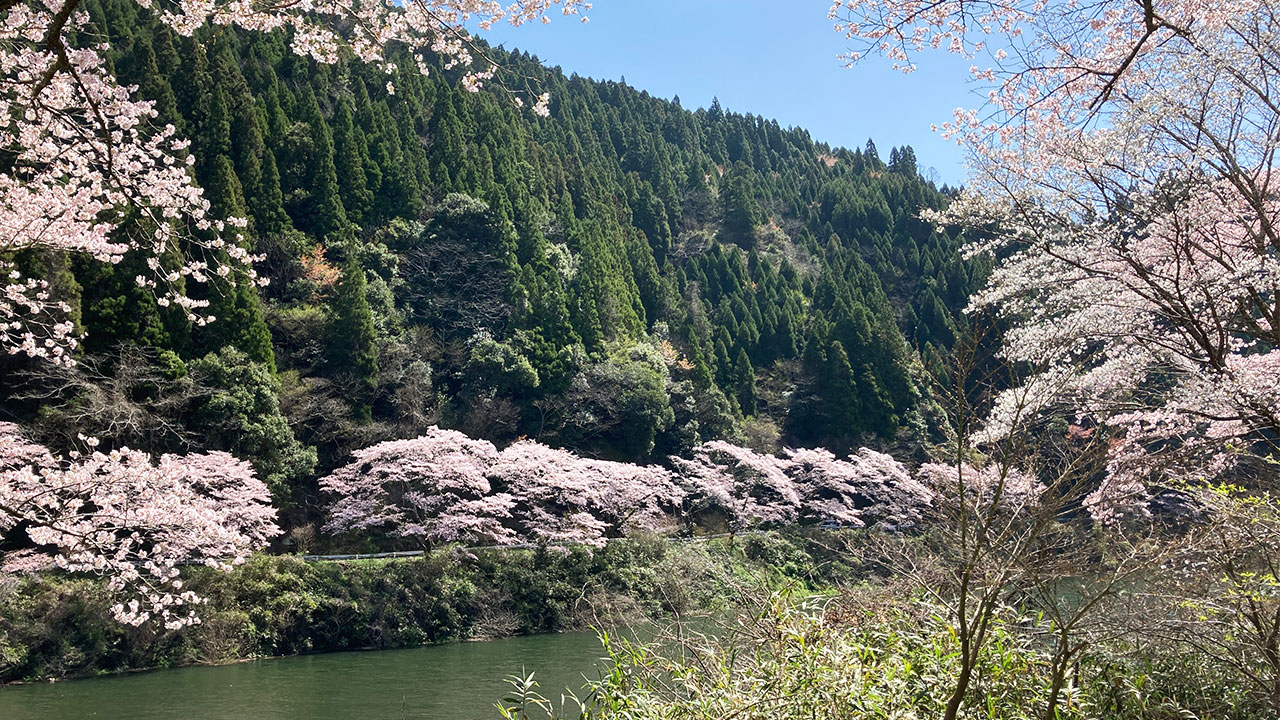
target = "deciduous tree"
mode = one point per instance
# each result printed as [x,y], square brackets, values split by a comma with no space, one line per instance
[431,489]
[870,489]
[129,519]
[750,489]
[562,497]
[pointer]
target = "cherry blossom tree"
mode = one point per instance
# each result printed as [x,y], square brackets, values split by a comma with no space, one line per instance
[749,488]
[870,489]
[1123,166]
[633,497]
[431,489]
[564,498]
[1121,172]
[87,171]
[129,520]
[987,489]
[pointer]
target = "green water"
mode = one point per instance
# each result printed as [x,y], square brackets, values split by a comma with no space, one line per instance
[445,682]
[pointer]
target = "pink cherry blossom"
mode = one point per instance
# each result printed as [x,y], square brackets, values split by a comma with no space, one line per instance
[985,488]
[431,489]
[446,487]
[870,489]
[563,497]
[130,520]
[83,153]
[750,488]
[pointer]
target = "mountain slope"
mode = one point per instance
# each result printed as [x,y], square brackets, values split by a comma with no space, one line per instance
[624,277]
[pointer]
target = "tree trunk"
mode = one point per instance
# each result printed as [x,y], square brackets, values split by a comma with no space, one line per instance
[961,689]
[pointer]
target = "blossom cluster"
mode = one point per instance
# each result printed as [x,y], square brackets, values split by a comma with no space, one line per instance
[129,519]
[446,487]
[434,488]
[811,486]
[562,497]
[870,489]
[991,487]
[83,155]
[322,31]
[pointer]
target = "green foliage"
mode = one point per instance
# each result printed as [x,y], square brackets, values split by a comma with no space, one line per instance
[499,366]
[622,401]
[742,212]
[239,323]
[317,199]
[817,659]
[352,338]
[113,307]
[237,410]
[59,627]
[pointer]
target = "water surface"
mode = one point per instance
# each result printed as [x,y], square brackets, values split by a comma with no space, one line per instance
[445,682]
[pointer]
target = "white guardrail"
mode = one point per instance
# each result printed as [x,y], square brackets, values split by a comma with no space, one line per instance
[521,546]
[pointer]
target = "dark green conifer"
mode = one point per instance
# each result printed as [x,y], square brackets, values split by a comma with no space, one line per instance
[744,383]
[268,204]
[142,70]
[233,300]
[741,212]
[352,347]
[351,155]
[326,216]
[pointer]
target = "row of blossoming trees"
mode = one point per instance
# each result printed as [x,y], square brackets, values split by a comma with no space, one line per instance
[134,520]
[446,487]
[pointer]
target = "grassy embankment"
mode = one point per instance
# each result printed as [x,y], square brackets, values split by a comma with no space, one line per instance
[56,627]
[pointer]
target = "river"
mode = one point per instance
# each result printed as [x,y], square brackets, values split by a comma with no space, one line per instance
[461,681]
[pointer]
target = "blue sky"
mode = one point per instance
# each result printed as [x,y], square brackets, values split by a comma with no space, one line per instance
[758,58]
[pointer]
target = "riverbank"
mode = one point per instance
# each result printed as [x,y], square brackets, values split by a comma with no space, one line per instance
[58,627]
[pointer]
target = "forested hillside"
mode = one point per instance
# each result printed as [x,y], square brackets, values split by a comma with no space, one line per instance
[624,277]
